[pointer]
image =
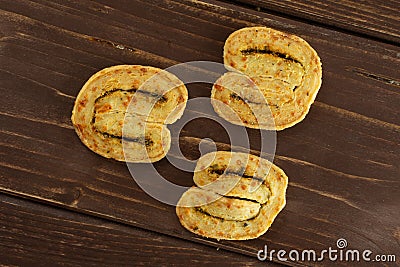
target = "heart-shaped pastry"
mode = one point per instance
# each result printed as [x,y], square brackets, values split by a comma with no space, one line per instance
[237,196]
[121,112]
[275,80]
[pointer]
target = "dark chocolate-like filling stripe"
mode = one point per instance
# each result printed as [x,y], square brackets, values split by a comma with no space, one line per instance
[161,98]
[242,198]
[266,50]
[222,171]
[142,140]
[239,98]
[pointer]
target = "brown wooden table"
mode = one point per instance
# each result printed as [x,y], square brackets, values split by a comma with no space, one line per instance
[62,204]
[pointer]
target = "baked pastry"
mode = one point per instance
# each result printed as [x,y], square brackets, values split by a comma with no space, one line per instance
[237,196]
[121,112]
[277,77]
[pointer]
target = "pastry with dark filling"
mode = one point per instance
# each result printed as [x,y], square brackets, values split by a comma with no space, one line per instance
[274,80]
[237,196]
[121,112]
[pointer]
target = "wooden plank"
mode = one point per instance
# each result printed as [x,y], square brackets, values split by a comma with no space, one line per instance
[34,234]
[371,18]
[342,161]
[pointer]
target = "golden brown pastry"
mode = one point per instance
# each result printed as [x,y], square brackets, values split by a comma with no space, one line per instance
[237,196]
[129,106]
[277,77]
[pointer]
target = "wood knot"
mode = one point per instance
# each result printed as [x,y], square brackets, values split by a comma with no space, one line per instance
[78,192]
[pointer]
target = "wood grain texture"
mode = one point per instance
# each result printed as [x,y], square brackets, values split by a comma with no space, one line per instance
[373,18]
[342,160]
[38,235]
